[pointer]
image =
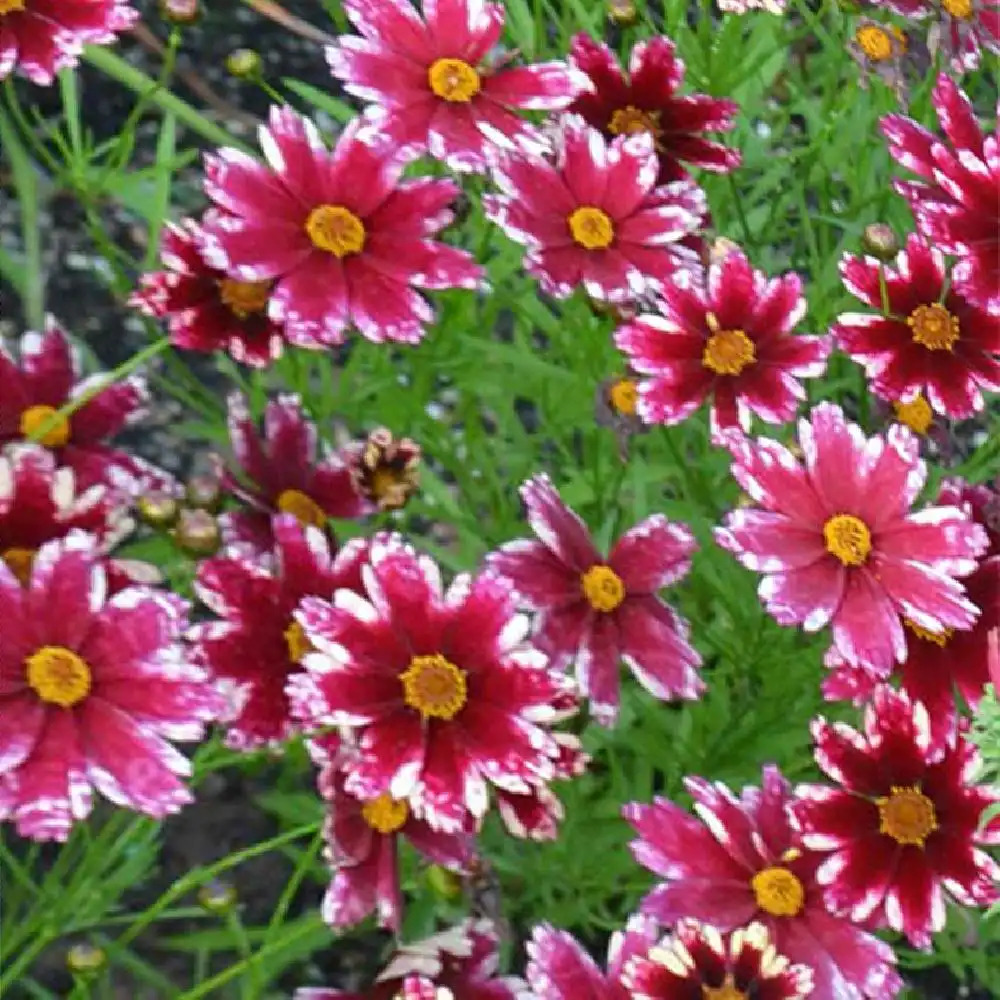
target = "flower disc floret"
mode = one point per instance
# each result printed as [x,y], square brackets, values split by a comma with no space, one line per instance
[454,80]
[302,507]
[934,327]
[244,298]
[848,538]
[778,891]
[336,230]
[592,228]
[385,814]
[435,687]
[728,352]
[58,675]
[19,561]
[603,588]
[906,815]
[34,418]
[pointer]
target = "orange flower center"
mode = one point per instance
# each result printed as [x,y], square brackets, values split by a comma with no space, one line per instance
[19,562]
[11,6]
[385,813]
[878,44]
[244,298]
[907,815]
[336,230]
[624,395]
[302,507]
[58,675]
[592,228]
[631,120]
[603,587]
[434,686]
[779,892]
[727,991]
[848,538]
[727,352]
[297,641]
[916,414]
[961,9]
[34,418]
[938,638]
[934,327]
[453,80]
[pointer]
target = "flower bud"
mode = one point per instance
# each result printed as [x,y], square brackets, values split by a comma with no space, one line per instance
[622,12]
[85,959]
[157,509]
[204,492]
[915,414]
[244,64]
[217,897]
[880,241]
[180,11]
[197,533]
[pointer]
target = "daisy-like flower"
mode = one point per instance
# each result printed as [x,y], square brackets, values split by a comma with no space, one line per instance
[205,310]
[47,378]
[40,37]
[933,341]
[646,100]
[257,645]
[594,216]
[91,690]
[904,824]
[698,961]
[282,471]
[433,80]
[955,201]
[837,541]
[728,339]
[440,689]
[598,610]
[615,405]
[881,49]
[342,238]
[744,864]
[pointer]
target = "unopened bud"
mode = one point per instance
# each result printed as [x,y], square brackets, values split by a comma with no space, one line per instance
[243,64]
[622,12]
[158,510]
[86,959]
[217,896]
[880,241]
[197,533]
[204,492]
[180,11]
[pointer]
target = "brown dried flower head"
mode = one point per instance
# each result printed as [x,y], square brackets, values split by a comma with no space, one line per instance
[386,471]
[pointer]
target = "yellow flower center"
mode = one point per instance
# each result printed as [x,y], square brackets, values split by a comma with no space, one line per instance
[303,508]
[779,892]
[727,991]
[36,417]
[957,8]
[336,230]
[916,414]
[933,327]
[453,80]
[624,395]
[848,538]
[938,638]
[907,815]
[385,813]
[244,298]
[434,686]
[877,43]
[631,120]
[19,562]
[603,587]
[58,675]
[728,352]
[297,641]
[592,228]
[11,6]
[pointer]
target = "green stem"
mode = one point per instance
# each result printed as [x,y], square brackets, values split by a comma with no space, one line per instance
[251,985]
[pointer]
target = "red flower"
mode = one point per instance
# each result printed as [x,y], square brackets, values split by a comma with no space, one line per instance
[838,544]
[594,216]
[205,310]
[344,240]
[443,694]
[903,825]
[933,340]
[597,611]
[729,339]
[258,645]
[698,961]
[46,380]
[743,864]
[647,101]
[955,202]
[283,472]
[433,80]
[40,37]
[91,689]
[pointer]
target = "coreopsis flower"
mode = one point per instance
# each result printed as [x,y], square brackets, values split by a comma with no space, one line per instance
[386,471]
[730,340]
[881,49]
[961,28]
[933,339]
[205,310]
[837,541]
[341,238]
[442,692]
[594,215]
[255,644]
[597,610]
[282,471]
[904,823]
[744,864]
[646,100]
[954,202]
[47,378]
[38,37]
[615,403]
[93,687]
[432,79]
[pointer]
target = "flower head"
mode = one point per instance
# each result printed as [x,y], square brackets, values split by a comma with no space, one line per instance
[837,541]
[342,238]
[646,100]
[386,471]
[730,340]
[597,610]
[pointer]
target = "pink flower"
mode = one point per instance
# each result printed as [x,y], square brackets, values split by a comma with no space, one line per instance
[91,690]
[955,202]
[838,544]
[47,378]
[257,645]
[646,100]
[442,693]
[205,310]
[594,216]
[743,863]
[40,37]
[595,610]
[729,339]
[904,823]
[933,340]
[434,81]
[343,239]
